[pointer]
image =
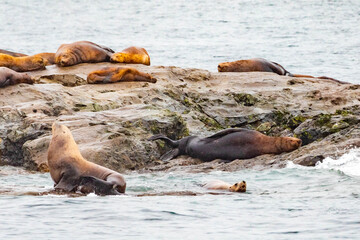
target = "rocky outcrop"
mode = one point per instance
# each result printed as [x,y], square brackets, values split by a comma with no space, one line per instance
[111,122]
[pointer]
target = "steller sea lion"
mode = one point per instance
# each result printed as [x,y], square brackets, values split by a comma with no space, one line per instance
[132,55]
[14,54]
[229,144]
[81,52]
[49,57]
[262,65]
[71,172]
[221,185]
[22,64]
[119,74]
[10,77]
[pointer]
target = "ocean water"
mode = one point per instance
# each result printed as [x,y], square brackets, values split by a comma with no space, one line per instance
[317,37]
[306,37]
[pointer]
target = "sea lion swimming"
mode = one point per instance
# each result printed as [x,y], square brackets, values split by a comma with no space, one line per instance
[81,52]
[71,172]
[119,74]
[229,144]
[221,185]
[10,77]
[262,65]
[22,64]
[132,55]
[14,54]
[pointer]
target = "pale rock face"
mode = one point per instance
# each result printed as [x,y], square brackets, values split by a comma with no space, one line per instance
[111,122]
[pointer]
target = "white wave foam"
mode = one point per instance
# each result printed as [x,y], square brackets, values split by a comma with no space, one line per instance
[349,163]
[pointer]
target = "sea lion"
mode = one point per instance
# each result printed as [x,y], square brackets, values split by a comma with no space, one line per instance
[14,54]
[70,171]
[119,74]
[221,185]
[49,57]
[137,55]
[263,65]
[229,144]
[10,77]
[22,64]
[81,52]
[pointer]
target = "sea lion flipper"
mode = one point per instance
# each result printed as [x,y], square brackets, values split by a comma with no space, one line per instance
[68,182]
[226,132]
[170,155]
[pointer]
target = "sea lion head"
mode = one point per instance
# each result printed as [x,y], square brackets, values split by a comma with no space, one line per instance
[37,63]
[238,187]
[225,67]
[289,144]
[65,58]
[27,79]
[62,136]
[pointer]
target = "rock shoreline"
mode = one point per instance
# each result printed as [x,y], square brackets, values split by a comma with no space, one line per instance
[111,122]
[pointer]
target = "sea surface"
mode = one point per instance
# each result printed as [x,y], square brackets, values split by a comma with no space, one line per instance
[307,37]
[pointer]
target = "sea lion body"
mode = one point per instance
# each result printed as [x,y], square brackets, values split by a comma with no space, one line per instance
[14,54]
[119,74]
[136,55]
[69,169]
[81,52]
[10,77]
[22,64]
[229,144]
[221,185]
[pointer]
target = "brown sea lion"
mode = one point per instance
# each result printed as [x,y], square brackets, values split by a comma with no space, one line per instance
[14,54]
[221,185]
[119,74]
[229,144]
[262,65]
[71,172]
[10,77]
[49,57]
[22,64]
[137,55]
[81,52]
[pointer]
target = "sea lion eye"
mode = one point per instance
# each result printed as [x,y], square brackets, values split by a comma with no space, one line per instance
[236,184]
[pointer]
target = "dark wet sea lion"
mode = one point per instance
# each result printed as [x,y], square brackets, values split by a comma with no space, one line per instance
[10,77]
[119,74]
[262,65]
[221,185]
[22,64]
[70,171]
[14,54]
[81,52]
[229,144]
[136,55]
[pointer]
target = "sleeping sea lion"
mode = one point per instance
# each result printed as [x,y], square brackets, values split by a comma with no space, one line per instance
[49,57]
[22,64]
[221,185]
[119,74]
[71,172]
[131,55]
[229,144]
[81,52]
[14,54]
[10,77]
[262,65]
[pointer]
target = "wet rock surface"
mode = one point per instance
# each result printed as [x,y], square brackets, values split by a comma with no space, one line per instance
[111,122]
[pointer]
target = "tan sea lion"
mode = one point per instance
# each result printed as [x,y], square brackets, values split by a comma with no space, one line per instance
[14,54]
[229,144]
[221,185]
[137,55]
[10,77]
[262,65]
[119,74]
[81,52]
[22,64]
[71,172]
[49,57]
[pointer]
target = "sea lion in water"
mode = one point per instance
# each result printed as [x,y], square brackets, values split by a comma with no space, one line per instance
[119,74]
[81,52]
[221,185]
[262,65]
[10,77]
[22,64]
[229,144]
[132,55]
[14,54]
[70,171]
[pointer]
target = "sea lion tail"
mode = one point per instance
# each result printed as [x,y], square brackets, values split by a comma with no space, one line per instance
[169,141]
